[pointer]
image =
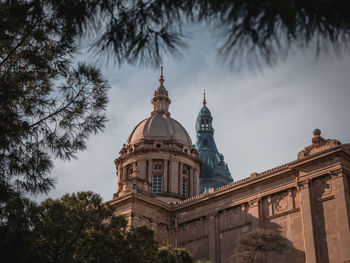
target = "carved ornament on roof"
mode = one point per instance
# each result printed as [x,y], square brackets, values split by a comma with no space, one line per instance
[318,144]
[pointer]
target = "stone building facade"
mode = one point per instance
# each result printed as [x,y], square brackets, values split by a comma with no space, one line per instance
[306,200]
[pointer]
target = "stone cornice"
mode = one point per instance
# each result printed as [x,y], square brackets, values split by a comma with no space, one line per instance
[288,168]
[266,175]
[140,197]
[155,150]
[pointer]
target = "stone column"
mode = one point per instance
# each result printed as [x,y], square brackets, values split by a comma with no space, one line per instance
[124,171]
[196,185]
[165,176]
[150,175]
[134,169]
[176,232]
[169,174]
[119,178]
[212,236]
[291,203]
[307,221]
[191,181]
[269,202]
[217,236]
[174,176]
[341,192]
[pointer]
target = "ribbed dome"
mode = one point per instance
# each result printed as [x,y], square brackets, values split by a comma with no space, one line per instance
[160,127]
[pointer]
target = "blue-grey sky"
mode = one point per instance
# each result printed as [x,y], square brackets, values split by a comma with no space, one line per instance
[261,119]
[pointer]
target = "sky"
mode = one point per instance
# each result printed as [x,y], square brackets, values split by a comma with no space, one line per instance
[262,119]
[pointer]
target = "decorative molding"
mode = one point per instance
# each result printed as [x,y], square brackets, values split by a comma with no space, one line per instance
[318,144]
[284,213]
[280,203]
[323,186]
[303,184]
[254,202]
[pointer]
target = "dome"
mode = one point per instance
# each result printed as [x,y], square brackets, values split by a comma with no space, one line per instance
[160,127]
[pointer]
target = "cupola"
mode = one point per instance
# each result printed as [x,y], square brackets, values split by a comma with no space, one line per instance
[159,158]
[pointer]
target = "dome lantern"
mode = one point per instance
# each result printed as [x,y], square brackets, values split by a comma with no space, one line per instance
[161,100]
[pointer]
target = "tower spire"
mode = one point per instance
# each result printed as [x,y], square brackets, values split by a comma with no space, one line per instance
[204,100]
[161,78]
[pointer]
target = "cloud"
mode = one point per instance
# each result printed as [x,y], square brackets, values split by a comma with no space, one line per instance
[261,120]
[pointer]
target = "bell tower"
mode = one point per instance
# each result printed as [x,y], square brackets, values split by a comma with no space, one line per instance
[214,171]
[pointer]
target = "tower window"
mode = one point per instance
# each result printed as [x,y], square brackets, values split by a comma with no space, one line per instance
[205,142]
[157,183]
[129,170]
[184,187]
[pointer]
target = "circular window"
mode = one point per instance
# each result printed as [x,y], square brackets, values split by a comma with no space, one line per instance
[158,145]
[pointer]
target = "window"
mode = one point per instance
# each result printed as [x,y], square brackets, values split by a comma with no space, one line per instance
[202,124]
[158,167]
[157,183]
[205,142]
[184,187]
[129,170]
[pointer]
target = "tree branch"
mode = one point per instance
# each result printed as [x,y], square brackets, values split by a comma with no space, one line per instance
[58,111]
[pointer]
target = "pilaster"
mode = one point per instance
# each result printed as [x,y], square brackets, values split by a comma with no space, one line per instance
[341,191]
[165,176]
[213,237]
[307,221]
[254,212]
[197,181]
[149,172]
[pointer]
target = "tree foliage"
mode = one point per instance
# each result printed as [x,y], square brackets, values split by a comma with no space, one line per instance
[168,254]
[253,31]
[258,246]
[76,228]
[18,217]
[48,104]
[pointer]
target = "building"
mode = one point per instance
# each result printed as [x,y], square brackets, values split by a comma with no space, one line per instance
[214,170]
[306,200]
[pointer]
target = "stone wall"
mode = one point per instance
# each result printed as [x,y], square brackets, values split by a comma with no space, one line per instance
[306,201]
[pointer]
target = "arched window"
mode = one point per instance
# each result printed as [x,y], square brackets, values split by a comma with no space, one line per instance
[202,124]
[157,183]
[205,142]
[184,187]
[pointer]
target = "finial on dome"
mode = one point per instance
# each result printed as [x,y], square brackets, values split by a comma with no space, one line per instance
[160,99]
[204,101]
[316,132]
[161,79]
